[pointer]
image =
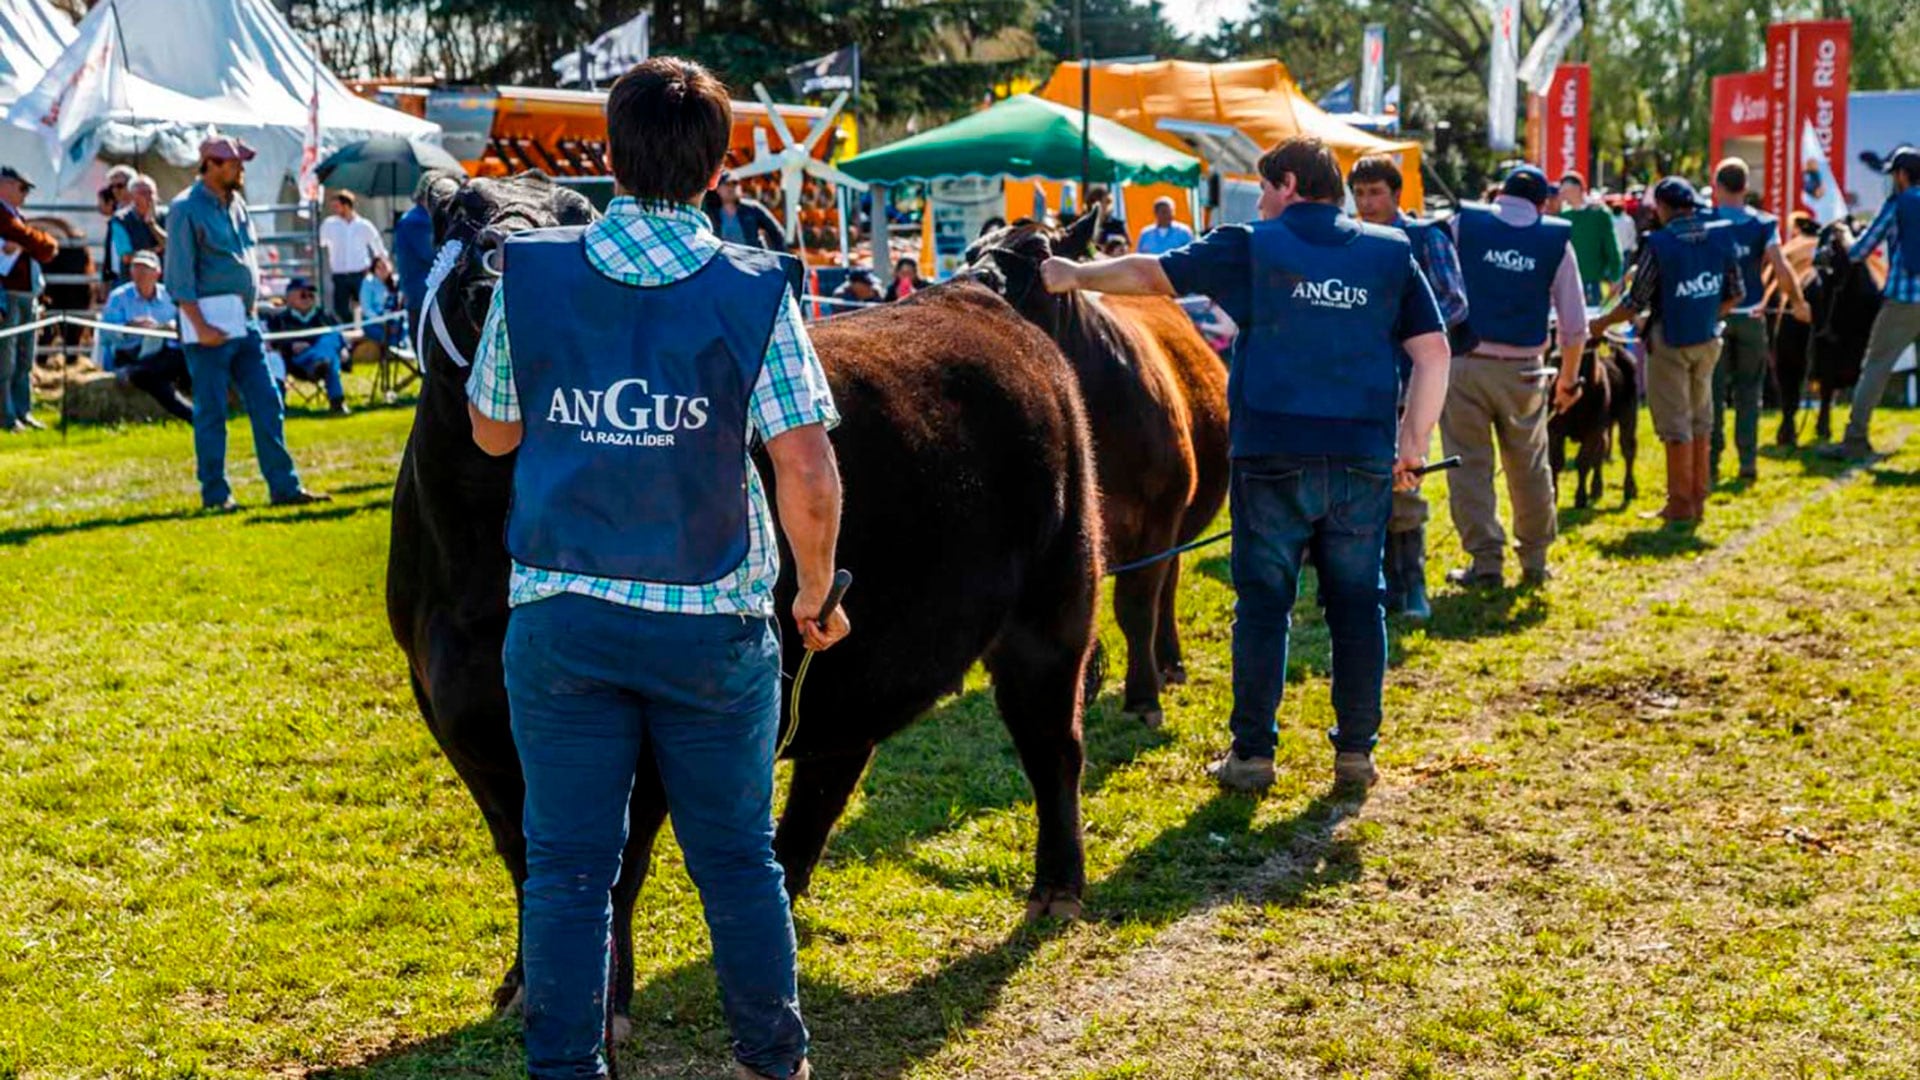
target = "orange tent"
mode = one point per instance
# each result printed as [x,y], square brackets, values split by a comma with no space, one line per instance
[1259,97]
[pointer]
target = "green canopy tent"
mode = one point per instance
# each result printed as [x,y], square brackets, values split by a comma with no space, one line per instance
[1027,136]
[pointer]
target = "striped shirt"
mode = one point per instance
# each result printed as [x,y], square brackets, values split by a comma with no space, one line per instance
[1901,285]
[649,245]
[1441,263]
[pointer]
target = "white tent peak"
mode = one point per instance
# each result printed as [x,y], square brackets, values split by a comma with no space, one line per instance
[32,35]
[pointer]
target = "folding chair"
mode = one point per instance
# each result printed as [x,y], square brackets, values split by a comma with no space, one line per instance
[394,368]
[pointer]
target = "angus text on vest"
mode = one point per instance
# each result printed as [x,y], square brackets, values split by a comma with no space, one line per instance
[1331,293]
[1510,259]
[636,415]
[1705,283]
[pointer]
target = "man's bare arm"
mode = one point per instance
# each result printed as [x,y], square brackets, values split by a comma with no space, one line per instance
[1133,275]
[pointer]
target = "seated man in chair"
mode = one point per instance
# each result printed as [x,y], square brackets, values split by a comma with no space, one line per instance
[317,359]
[154,364]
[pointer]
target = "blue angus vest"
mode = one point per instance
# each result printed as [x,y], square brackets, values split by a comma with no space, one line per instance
[635,404]
[1906,222]
[1692,278]
[1322,341]
[1750,232]
[1509,272]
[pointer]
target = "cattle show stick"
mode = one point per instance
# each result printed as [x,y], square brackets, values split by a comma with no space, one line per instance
[842,580]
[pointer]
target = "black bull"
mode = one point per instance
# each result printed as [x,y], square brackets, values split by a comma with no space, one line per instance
[970,522]
[1826,356]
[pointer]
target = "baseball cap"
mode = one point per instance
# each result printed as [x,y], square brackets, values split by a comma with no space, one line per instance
[8,172]
[299,284]
[225,148]
[1678,193]
[1906,159]
[1529,183]
[147,259]
[861,274]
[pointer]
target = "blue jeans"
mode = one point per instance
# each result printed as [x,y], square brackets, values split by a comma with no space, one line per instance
[319,362]
[1337,509]
[16,362]
[593,687]
[242,363]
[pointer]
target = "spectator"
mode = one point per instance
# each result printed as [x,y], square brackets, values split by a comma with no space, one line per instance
[351,242]
[110,200]
[413,252]
[906,280]
[316,358]
[860,288]
[22,249]
[136,227]
[1165,234]
[1100,197]
[155,365]
[1596,247]
[214,276]
[1114,246]
[740,220]
[379,296]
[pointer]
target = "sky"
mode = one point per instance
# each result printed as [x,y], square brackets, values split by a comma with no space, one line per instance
[1197,18]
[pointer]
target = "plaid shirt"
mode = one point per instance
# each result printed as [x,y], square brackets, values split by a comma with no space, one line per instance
[1901,286]
[1441,263]
[1644,296]
[655,244]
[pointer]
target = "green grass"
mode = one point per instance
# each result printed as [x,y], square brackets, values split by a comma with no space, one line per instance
[1656,819]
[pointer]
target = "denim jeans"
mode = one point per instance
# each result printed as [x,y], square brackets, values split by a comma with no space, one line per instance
[319,362]
[242,363]
[1283,508]
[593,687]
[16,362]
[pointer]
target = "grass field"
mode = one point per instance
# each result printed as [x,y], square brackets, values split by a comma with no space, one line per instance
[1657,819]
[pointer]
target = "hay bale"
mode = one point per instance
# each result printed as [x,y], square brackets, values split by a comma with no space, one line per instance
[97,397]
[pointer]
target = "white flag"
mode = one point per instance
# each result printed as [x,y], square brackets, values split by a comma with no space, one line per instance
[81,89]
[1502,90]
[1818,189]
[1543,57]
[1373,69]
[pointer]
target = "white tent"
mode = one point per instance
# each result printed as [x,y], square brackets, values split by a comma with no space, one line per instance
[192,67]
[32,36]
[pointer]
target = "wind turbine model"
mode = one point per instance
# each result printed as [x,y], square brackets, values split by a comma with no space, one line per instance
[794,160]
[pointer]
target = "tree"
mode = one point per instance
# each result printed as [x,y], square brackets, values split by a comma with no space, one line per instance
[1111,28]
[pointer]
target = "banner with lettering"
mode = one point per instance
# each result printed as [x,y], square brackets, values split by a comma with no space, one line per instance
[1564,121]
[1503,79]
[1373,70]
[1739,111]
[1809,65]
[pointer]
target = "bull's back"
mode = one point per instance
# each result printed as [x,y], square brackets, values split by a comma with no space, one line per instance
[1196,375]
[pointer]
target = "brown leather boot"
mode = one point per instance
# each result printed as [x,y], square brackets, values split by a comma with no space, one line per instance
[1679,483]
[1702,476]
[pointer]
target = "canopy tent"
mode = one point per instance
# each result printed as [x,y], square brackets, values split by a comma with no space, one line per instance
[186,68]
[32,36]
[1257,97]
[1026,136]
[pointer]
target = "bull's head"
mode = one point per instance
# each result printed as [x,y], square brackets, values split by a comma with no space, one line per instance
[479,215]
[1007,260]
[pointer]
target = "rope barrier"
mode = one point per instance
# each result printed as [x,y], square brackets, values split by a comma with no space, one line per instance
[71,318]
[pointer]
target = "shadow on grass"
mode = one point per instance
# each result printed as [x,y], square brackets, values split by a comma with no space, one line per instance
[323,512]
[1896,478]
[679,1030]
[1664,541]
[25,534]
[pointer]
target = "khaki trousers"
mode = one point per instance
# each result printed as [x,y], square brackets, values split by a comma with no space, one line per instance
[1680,388]
[1489,403]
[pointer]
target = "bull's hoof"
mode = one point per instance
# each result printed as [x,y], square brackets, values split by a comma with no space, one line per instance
[510,999]
[1175,675]
[622,1029]
[1054,904]
[1628,493]
[1150,715]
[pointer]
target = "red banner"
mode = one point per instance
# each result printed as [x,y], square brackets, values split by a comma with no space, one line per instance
[1809,65]
[1739,110]
[1564,121]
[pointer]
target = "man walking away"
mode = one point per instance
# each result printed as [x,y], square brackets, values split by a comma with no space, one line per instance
[1326,305]
[155,365]
[215,280]
[1165,234]
[1376,184]
[1686,280]
[740,220]
[1898,324]
[642,629]
[136,228]
[21,247]
[1520,268]
[1741,374]
[351,242]
[1596,247]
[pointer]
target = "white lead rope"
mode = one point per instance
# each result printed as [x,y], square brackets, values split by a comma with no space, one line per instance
[443,263]
[68,318]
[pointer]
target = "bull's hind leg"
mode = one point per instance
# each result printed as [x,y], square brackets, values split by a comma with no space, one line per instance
[815,800]
[1137,606]
[1823,424]
[1036,683]
[646,812]
[1172,661]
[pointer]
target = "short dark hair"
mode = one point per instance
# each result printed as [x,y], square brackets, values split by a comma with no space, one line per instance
[1096,193]
[669,125]
[1310,161]
[1376,169]
[1731,174]
[344,197]
[1574,176]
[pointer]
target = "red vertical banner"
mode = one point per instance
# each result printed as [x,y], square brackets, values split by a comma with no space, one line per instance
[1565,117]
[1809,66]
[1739,111]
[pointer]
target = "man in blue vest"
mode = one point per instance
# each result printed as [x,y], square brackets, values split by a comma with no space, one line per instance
[1898,324]
[1741,372]
[648,353]
[1376,184]
[1326,305]
[1521,270]
[1685,281]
